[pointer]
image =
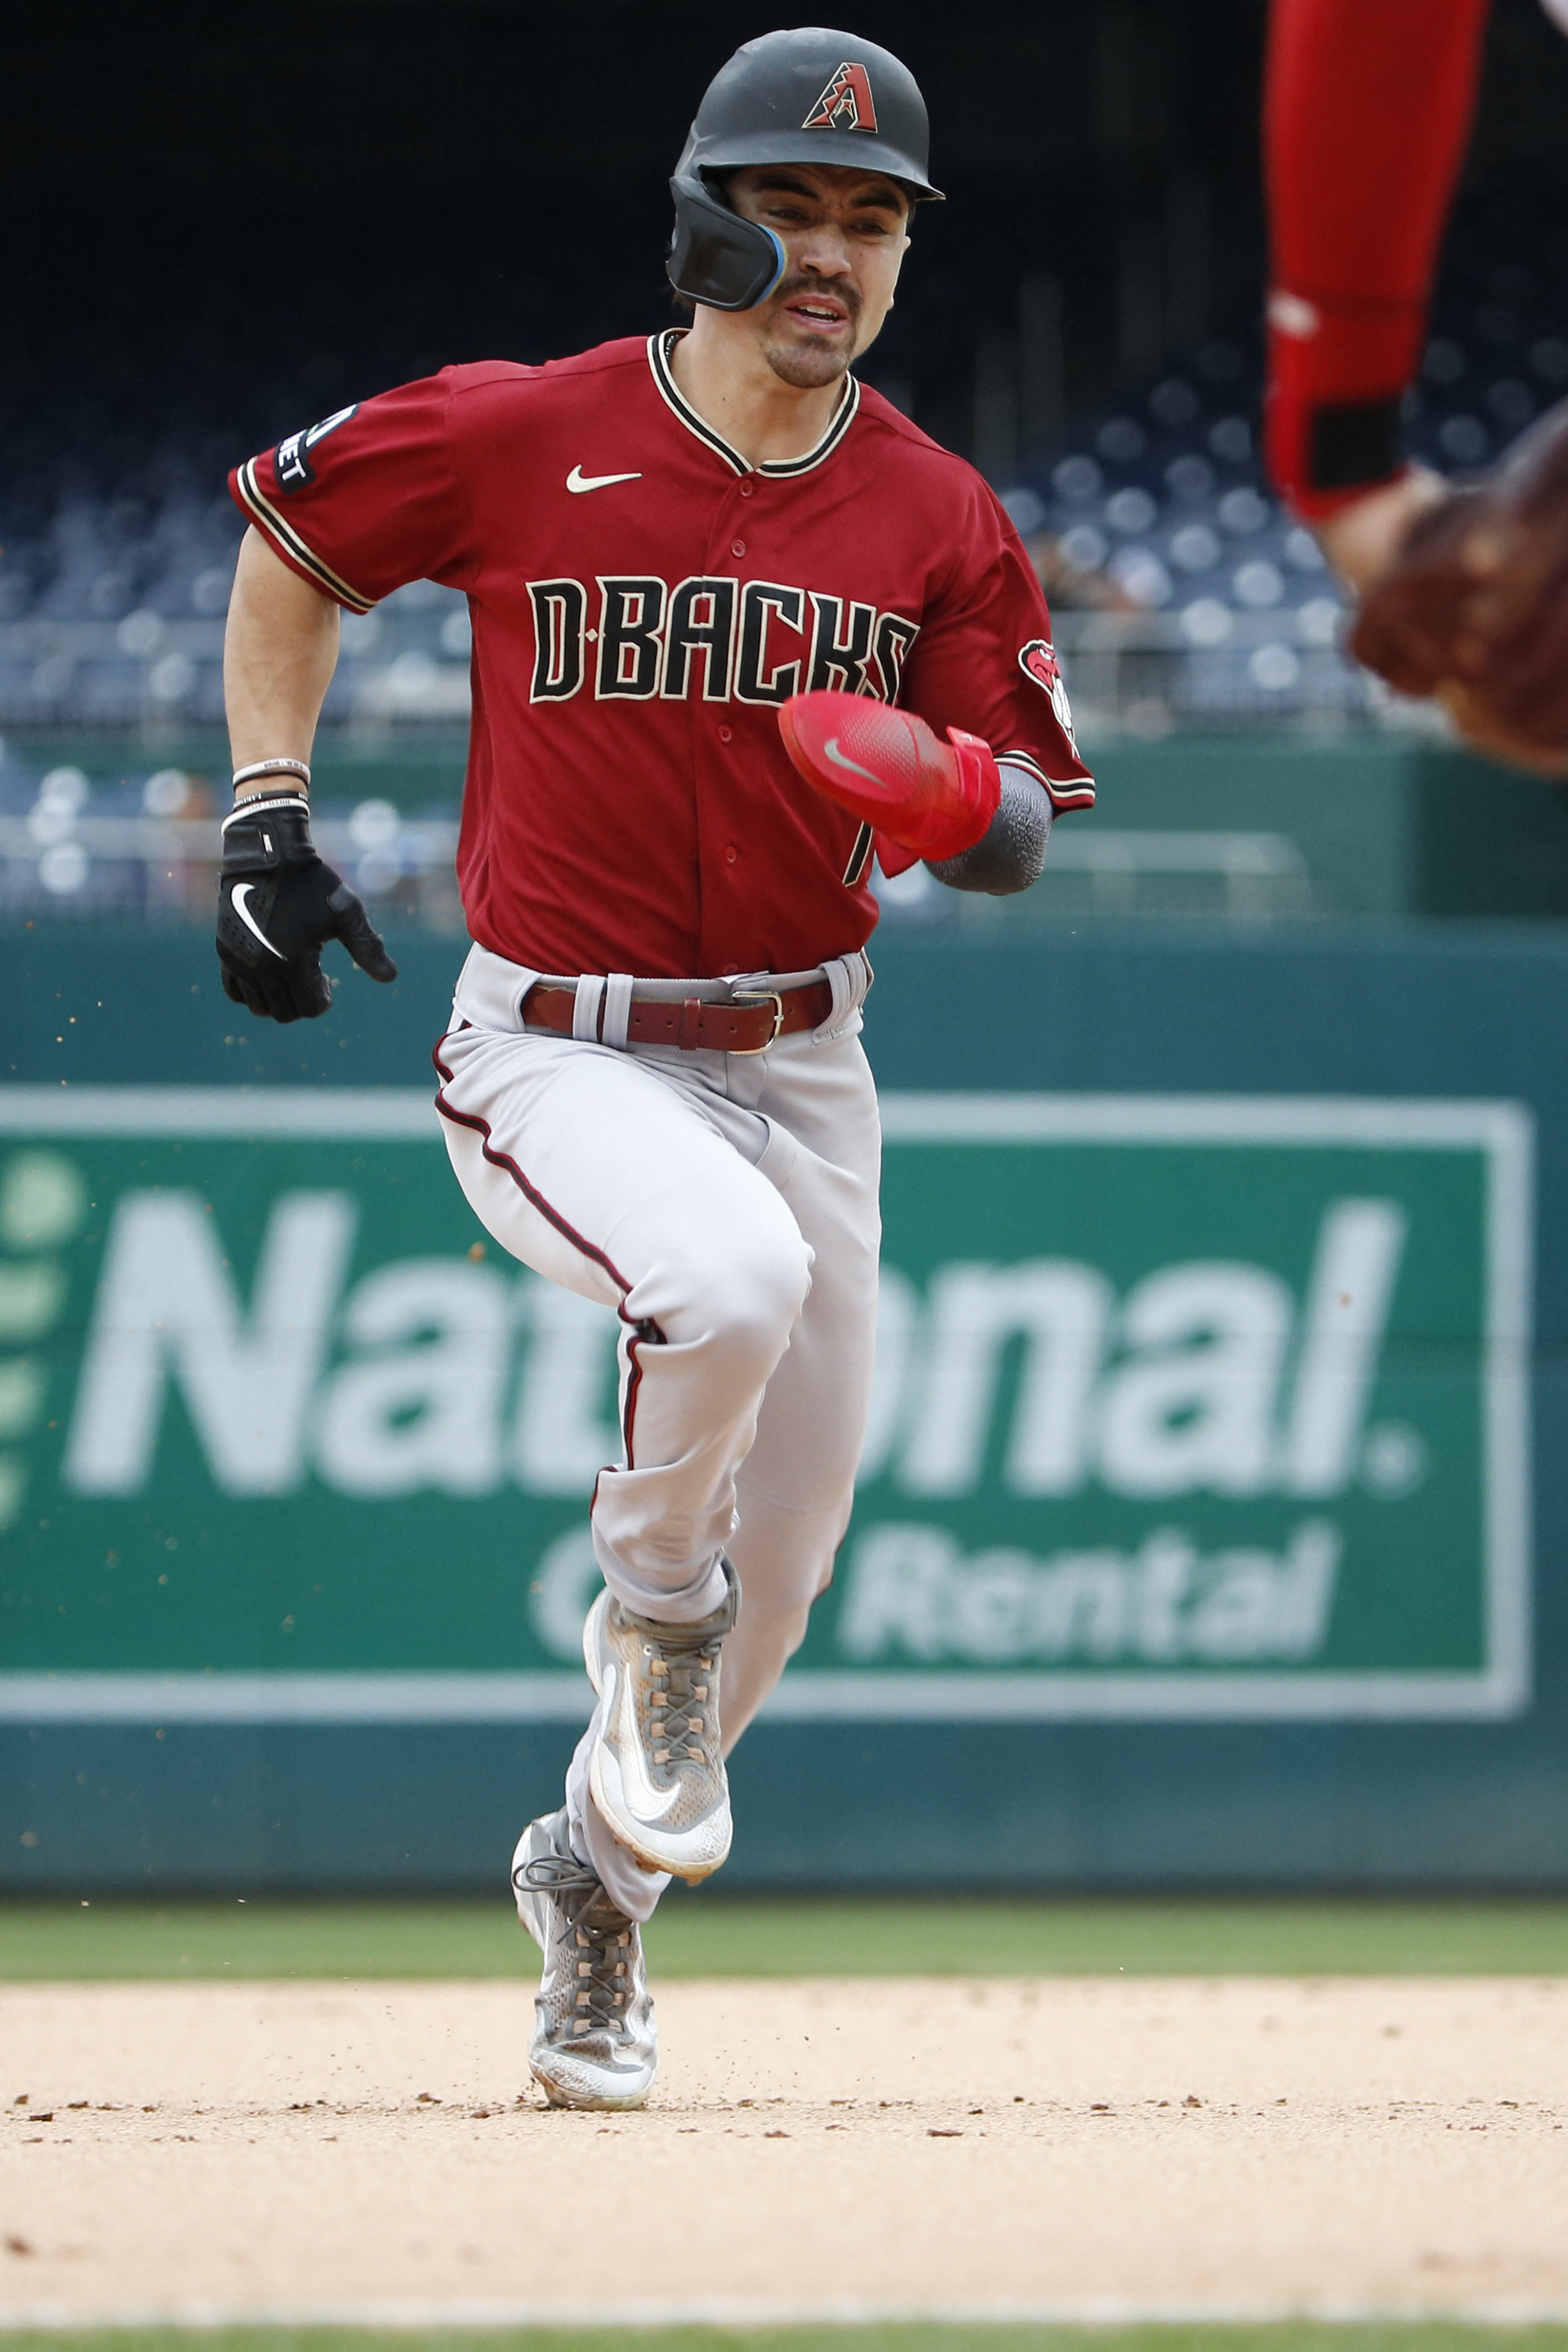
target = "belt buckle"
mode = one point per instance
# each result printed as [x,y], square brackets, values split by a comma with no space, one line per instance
[767,996]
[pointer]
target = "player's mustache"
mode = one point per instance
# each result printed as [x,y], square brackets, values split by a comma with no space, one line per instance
[840,289]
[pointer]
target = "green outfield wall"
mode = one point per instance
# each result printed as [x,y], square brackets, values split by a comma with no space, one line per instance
[1213,1514]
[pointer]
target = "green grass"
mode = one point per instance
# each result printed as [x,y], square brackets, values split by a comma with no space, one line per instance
[1422,2336]
[714,1935]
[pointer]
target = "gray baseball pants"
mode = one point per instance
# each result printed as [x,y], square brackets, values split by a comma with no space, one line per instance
[726,1206]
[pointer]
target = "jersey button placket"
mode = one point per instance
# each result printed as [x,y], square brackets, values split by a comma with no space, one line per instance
[726,855]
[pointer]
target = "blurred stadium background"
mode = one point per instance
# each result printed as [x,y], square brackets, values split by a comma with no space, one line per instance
[224,224]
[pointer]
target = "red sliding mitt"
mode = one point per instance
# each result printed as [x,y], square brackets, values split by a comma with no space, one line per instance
[889,768]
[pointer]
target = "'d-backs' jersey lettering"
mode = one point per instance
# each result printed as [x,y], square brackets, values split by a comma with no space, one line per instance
[841,645]
[762,675]
[629,804]
[711,637]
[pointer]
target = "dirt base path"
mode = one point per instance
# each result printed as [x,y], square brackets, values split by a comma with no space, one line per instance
[1062,2147]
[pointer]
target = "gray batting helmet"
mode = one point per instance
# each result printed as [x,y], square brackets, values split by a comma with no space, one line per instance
[811,96]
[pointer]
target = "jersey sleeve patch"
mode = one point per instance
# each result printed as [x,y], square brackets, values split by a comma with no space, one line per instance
[276,527]
[1038,660]
[291,458]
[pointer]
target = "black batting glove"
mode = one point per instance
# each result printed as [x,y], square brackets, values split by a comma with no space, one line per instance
[277,906]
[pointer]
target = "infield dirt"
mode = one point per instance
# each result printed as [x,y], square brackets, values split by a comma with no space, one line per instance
[886,2145]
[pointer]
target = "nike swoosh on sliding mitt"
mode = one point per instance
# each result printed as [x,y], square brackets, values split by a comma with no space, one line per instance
[890,769]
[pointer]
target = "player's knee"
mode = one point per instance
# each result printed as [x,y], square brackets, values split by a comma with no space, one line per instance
[781,1631]
[754,1300]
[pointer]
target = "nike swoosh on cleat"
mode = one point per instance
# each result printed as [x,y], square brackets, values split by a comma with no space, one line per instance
[238,893]
[649,1804]
[577,480]
[842,760]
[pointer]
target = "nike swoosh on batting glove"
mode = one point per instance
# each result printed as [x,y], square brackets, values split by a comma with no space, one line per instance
[890,769]
[277,906]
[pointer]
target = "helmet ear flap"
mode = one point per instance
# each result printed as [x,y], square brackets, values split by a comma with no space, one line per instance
[715,258]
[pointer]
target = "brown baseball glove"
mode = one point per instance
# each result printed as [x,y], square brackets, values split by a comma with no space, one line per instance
[1474,609]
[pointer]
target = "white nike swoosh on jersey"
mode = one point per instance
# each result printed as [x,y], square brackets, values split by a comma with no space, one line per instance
[577,480]
[238,893]
[649,1804]
[842,760]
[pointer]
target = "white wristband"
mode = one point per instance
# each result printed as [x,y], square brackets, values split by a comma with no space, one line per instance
[259,769]
[270,800]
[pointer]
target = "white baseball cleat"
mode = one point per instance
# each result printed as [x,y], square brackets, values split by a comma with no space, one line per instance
[594,2041]
[657,1766]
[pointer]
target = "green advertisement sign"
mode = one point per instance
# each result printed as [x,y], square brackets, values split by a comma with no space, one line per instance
[1186,1406]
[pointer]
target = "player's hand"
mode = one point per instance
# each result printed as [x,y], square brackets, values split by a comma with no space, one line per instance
[1473,607]
[1362,539]
[888,768]
[277,905]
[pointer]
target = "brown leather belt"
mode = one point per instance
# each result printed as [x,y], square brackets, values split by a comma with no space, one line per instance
[746,1025]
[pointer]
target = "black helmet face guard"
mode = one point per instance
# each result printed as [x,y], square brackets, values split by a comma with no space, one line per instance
[811,96]
[715,258]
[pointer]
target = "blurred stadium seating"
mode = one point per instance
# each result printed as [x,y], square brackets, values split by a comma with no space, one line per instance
[1184,600]
[1233,615]
[112,604]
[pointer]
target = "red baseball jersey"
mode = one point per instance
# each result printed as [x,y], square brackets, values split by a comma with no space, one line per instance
[643,600]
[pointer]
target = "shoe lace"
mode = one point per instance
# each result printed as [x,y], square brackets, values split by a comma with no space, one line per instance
[595,1936]
[681,1700]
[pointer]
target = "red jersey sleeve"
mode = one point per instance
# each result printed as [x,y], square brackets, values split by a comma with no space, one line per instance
[983,659]
[1367,108]
[366,500]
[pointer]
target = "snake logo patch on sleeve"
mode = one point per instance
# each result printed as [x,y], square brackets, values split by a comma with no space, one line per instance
[1038,660]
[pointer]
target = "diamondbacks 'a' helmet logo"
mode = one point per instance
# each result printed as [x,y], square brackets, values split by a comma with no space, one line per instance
[1038,660]
[847,100]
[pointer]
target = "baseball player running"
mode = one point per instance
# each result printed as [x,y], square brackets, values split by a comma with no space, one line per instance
[703,570]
